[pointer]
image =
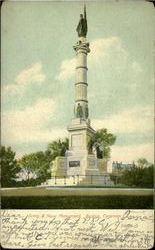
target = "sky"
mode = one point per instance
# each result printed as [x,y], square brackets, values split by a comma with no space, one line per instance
[38,73]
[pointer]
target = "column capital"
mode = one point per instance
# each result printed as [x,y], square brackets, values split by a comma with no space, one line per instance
[82,47]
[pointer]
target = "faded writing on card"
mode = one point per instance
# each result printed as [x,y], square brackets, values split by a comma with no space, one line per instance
[77,229]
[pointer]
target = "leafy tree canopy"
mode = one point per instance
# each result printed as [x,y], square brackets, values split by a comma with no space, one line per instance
[9,166]
[101,141]
[36,166]
[58,147]
[136,176]
[142,163]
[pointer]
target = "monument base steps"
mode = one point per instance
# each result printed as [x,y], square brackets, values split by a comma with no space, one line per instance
[89,180]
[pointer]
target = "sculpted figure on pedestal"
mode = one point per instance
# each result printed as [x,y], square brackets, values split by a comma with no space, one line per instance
[86,111]
[79,111]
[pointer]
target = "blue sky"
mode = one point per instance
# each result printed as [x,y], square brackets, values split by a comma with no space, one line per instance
[38,73]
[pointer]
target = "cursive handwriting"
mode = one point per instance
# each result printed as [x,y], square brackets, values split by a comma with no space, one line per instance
[77,229]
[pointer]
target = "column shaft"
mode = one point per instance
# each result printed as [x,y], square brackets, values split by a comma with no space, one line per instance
[81,79]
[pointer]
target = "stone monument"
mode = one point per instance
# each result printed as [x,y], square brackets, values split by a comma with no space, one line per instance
[77,160]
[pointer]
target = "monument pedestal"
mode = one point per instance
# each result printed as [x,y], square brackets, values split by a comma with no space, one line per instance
[80,133]
[77,160]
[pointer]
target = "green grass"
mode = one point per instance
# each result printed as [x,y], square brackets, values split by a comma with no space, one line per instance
[103,187]
[78,202]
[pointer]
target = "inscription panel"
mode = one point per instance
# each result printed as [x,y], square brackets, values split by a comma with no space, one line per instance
[74,164]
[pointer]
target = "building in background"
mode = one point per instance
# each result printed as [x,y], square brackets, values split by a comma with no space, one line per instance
[118,167]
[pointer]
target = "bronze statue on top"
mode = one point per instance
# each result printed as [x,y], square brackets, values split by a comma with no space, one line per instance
[82,26]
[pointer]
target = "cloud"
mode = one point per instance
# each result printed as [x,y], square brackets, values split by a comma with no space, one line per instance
[12,90]
[102,49]
[29,125]
[133,152]
[32,75]
[130,153]
[131,120]
[67,70]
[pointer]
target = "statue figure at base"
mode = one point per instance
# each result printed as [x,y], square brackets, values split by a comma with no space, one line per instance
[86,111]
[79,111]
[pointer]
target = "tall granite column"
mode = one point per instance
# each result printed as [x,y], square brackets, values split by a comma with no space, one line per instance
[80,130]
[81,102]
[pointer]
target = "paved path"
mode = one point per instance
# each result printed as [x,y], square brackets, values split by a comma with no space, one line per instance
[71,191]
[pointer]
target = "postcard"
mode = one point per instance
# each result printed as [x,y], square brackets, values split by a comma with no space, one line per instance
[77,153]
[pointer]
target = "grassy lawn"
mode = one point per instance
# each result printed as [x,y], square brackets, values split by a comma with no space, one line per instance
[103,187]
[78,202]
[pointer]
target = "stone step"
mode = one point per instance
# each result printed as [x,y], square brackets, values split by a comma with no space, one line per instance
[99,180]
[69,181]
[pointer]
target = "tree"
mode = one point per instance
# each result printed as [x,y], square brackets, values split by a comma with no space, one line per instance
[147,179]
[9,167]
[137,177]
[59,147]
[28,166]
[35,167]
[142,163]
[101,141]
